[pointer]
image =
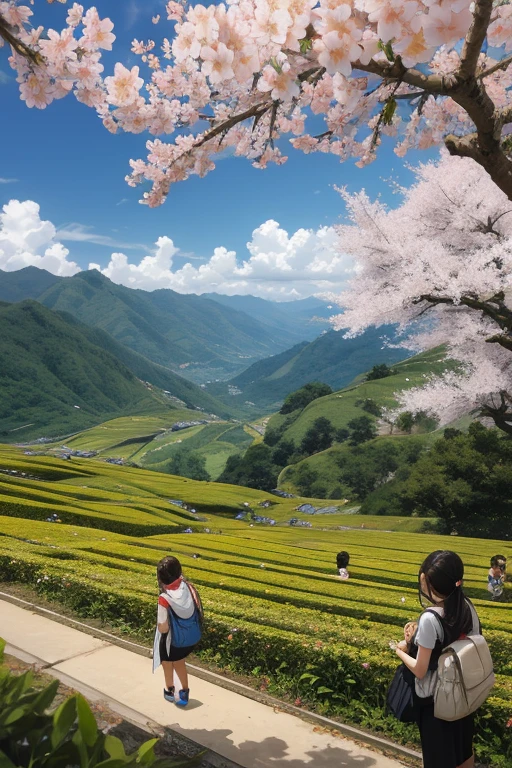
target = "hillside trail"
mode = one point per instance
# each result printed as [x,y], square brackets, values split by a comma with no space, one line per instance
[236,728]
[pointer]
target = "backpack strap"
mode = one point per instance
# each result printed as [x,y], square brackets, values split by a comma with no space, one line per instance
[197,600]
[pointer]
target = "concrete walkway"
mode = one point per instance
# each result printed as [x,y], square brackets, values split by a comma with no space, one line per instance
[247,732]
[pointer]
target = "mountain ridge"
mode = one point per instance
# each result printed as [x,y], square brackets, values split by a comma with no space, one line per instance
[59,375]
[195,336]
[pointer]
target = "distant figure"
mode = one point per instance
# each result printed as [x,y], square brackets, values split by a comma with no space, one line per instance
[342,560]
[496,576]
[178,630]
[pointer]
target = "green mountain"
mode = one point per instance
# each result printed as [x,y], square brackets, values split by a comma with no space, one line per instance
[330,358]
[304,319]
[57,376]
[26,283]
[195,336]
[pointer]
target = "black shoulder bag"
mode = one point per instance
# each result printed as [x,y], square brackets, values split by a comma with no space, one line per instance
[402,700]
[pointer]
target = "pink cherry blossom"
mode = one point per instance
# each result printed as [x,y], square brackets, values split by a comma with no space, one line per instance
[15,15]
[59,47]
[123,88]
[438,243]
[217,63]
[267,58]
[97,32]
[75,15]
[337,53]
[37,90]
[444,27]
[500,30]
[186,43]
[174,10]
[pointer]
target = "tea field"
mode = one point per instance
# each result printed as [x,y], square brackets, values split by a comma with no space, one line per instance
[274,608]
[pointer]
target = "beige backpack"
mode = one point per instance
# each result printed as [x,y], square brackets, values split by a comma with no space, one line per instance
[465,678]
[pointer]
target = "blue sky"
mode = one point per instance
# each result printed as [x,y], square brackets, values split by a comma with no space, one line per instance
[63,159]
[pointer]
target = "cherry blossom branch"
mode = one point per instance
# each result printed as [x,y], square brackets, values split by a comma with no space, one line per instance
[501,414]
[257,111]
[396,70]
[475,38]
[17,44]
[499,313]
[500,65]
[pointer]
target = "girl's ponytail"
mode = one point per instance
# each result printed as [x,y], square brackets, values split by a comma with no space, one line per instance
[444,572]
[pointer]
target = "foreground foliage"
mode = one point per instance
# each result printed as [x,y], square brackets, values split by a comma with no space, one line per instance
[32,733]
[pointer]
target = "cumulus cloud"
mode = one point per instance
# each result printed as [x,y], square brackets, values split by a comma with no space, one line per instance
[27,240]
[277,265]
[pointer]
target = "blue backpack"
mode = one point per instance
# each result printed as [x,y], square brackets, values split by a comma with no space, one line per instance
[186,632]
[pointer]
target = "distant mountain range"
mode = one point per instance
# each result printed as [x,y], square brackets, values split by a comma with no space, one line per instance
[197,336]
[58,376]
[303,319]
[330,359]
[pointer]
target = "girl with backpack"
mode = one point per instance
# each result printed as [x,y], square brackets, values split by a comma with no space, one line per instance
[178,631]
[448,616]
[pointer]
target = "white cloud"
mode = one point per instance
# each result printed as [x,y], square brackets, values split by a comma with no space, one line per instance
[279,266]
[26,240]
[78,233]
[7,181]
[4,78]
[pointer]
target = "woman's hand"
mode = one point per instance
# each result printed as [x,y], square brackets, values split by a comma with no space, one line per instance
[402,646]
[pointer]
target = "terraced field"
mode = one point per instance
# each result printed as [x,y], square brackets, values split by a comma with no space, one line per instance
[274,607]
[149,442]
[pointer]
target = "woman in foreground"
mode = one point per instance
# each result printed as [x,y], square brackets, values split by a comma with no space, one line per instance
[444,744]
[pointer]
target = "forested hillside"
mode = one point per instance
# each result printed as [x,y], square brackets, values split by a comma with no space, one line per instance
[57,376]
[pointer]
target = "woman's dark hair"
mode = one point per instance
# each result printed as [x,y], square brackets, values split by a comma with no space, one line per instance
[342,559]
[444,571]
[168,570]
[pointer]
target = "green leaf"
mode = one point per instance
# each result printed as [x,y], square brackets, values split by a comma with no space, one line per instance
[274,63]
[86,721]
[387,49]
[15,714]
[2,648]
[146,753]
[305,45]
[114,748]
[388,111]
[306,676]
[323,689]
[350,681]
[63,718]
[46,697]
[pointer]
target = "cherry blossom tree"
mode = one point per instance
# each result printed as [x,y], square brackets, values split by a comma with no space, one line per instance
[440,267]
[242,74]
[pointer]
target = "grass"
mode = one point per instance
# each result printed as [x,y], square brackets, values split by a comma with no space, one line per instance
[340,407]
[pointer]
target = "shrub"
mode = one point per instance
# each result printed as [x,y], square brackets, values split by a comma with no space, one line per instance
[31,734]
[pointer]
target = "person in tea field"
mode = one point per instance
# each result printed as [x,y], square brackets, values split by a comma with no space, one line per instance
[342,561]
[496,576]
[444,744]
[179,620]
